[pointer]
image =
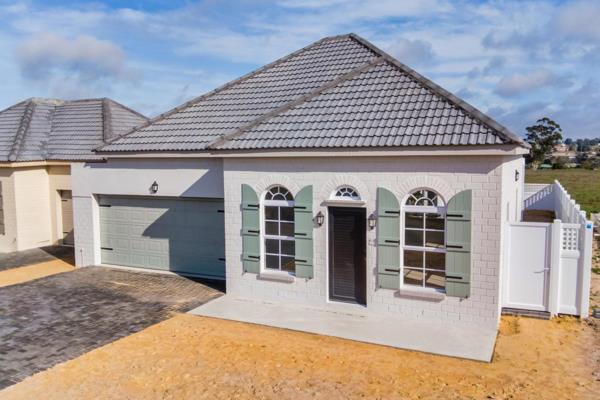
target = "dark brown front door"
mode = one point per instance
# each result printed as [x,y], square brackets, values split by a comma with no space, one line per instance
[347,254]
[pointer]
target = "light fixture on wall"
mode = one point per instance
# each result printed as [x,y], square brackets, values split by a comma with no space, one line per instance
[517,174]
[154,187]
[319,218]
[372,221]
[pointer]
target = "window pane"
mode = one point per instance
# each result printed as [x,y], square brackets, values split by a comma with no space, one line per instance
[434,239]
[413,238]
[271,213]
[272,246]
[287,229]
[287,213]
[271,228]
[435,261]
[288,247]
[413,259]
[435,279]
[434,221]
[272,262]
[413,277]
[414,220]
[288,264]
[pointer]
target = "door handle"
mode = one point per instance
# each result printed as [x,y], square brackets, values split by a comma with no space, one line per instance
[539,272]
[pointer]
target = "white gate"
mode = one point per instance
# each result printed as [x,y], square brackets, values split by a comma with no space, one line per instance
[526,280]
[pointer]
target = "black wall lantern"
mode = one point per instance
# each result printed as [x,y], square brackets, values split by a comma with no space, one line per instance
[517,174]
[319,218]
[154,187]
[372,221]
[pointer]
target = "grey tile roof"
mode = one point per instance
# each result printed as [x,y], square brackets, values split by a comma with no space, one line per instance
[340,92]
[49,129]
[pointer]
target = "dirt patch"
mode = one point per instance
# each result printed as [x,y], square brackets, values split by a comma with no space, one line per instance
[202,358]
[23,274]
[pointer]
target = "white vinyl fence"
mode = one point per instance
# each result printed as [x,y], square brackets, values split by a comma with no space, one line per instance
[548,265]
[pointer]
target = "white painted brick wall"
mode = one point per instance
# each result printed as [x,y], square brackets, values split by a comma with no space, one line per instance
[446,175]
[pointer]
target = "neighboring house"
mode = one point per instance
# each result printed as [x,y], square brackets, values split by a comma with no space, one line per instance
[40,139]
[333,176]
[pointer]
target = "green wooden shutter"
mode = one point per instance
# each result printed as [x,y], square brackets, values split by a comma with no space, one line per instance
[303,232]
[250,230]
[458,244]
[388,240]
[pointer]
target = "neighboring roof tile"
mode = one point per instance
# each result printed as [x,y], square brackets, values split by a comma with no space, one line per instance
[47,129]
[338,92]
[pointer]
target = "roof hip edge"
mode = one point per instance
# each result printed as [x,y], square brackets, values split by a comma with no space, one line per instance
[287,106]
[21,131]
[106,120]
[456,101]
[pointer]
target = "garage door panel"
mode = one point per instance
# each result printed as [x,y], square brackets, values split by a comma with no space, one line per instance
[181,235]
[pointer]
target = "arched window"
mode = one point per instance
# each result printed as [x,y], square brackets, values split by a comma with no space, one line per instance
[424,240]
[279,242]
[346,193]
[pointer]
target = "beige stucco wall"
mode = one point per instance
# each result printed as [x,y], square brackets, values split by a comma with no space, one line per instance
[32,206]
[8,241]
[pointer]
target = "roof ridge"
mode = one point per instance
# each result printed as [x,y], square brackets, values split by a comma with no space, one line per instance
[21,131]
[440,91]
[139,114]
[305,97]
[222,87]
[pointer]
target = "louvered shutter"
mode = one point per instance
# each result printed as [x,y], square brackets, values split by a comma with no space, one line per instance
[303,232]
[388,240]
[458,244]
[250,230]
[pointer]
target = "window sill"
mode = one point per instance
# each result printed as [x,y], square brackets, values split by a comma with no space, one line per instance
[276,277]
[421,294]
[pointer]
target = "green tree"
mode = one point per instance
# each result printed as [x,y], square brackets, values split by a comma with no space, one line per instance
[542,137]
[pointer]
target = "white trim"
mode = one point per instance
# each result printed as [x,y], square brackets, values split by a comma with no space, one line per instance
[405,289]
[344,203]
[424,293]
[267,273]
[474,150]
[339,303]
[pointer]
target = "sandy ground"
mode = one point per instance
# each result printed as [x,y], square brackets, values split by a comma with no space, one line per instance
[23,274]
[189,357]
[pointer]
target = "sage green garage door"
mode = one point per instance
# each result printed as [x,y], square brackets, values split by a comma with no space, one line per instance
[173,234]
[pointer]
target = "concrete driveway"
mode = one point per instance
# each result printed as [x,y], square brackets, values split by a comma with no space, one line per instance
[54,319]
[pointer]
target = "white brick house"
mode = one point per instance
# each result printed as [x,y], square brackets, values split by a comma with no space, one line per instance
[335,177]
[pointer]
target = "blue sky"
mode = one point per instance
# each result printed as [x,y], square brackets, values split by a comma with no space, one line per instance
[515,60]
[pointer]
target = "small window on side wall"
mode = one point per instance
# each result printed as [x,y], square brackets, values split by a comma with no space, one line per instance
[424,252]
[279,241]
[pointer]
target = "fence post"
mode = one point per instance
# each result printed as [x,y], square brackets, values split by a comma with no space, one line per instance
[585,263]
[554,278]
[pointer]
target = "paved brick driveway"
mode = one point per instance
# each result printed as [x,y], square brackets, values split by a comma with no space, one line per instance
[57,318]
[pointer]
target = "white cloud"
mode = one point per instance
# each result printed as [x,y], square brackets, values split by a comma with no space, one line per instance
[580,20]
[44,54]
[412,52]
[520,83]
